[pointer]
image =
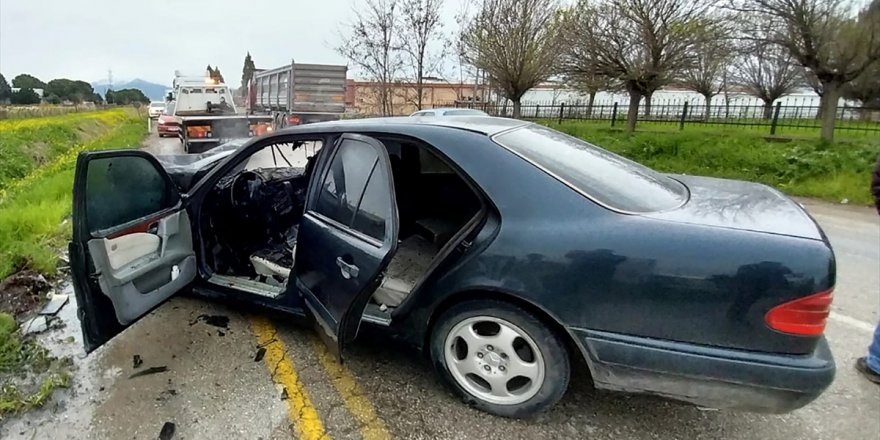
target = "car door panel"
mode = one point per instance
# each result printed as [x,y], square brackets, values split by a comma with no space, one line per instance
[346,237]
[132,244]
[137,271]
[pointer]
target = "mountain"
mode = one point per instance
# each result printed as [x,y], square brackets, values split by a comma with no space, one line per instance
[155,92]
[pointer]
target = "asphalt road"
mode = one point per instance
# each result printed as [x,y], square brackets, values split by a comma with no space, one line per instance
[214,388]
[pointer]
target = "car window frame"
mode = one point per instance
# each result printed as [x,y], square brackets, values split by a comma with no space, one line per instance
[317,185]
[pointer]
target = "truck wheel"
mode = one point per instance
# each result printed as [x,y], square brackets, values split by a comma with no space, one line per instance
[501,358]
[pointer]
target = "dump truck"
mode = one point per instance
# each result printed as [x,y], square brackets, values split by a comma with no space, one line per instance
[206,115]
[298,93]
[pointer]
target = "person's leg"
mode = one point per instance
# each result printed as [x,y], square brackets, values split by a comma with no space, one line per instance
[873,360]
[869,365]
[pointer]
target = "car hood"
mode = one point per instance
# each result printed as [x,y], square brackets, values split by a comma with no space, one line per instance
[186,169]
[741,205]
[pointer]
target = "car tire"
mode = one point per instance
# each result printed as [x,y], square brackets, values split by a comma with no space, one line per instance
[467,367]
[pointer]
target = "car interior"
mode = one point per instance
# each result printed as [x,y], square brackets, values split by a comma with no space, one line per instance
[250,220]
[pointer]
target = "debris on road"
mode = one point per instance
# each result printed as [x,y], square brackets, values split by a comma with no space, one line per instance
[148,371]
[56,302]
[136,361]
[260,353]
[167,431]
[37,324]
[284,395]
[22,292]
[215,320]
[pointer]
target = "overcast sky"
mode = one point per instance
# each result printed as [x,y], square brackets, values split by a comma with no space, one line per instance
[82,39]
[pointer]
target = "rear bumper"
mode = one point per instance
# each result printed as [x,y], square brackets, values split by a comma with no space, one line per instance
[707,376]
[168,129]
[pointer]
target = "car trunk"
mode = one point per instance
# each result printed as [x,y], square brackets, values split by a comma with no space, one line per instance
[742,205]
[792,262]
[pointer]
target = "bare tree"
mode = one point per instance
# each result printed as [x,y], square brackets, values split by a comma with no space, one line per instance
[826,38]
[590,83]
[766,72]
[420,28]
[713,55]
[373,46]
[643,44]
[515,42]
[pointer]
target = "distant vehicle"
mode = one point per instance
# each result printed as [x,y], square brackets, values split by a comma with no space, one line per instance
[450,112]
[206,115]
[299,93]
[156,108]
[560,259]
[168,124]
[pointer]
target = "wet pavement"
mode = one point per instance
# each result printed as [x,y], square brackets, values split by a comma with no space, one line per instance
[214,388]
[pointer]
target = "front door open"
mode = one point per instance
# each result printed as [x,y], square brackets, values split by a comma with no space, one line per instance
[346,237]
[132,242]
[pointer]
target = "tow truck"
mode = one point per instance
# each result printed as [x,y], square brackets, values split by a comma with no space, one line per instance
[207,117]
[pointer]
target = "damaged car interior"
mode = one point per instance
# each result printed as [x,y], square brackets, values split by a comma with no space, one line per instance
[251,218]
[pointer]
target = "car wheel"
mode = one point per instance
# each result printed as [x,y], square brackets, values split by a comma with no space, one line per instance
[502,359]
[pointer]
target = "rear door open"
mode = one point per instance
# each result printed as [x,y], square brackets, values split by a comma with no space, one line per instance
[132,242]
[346,237]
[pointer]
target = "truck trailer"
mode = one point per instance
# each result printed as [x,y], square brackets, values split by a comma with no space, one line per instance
[298,93]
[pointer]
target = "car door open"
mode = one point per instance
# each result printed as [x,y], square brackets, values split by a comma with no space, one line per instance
[132,241]
[346,237]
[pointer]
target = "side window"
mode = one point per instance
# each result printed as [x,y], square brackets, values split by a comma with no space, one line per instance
[122,189]
[342,188]
[355,190]
[375,205]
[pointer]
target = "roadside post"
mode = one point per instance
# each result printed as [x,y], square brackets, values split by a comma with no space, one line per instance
[561,111]
[684,113]
[614,114]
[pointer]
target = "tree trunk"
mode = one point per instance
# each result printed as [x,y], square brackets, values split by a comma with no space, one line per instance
[590,104]
[517,108]
[632,113]
[828,108]
[768,109]
[708,114]
[648,97]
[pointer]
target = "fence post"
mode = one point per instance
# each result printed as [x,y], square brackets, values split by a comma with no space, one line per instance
[684,114]
[537,110]
[614,114]
[561,111]
[775,118]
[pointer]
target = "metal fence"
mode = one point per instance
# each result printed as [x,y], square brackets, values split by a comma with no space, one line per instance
[776,119]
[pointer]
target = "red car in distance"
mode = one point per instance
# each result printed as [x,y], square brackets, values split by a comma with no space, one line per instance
[168,124]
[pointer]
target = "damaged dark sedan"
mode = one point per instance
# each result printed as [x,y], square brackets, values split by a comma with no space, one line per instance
[509,253]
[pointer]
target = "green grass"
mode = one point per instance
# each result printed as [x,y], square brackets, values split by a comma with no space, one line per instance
[801,167]
[28,373]
[33,208]
[792,128]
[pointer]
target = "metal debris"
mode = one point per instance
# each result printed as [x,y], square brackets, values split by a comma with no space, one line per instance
[260,353]
[37,324]
[136,361]
[167,431]
[56,302]
[148,371]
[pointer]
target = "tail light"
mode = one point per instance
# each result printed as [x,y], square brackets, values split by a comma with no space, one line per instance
[803,317]
[293,120]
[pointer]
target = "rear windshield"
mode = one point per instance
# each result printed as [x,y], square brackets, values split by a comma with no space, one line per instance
[605,177]
[465,113]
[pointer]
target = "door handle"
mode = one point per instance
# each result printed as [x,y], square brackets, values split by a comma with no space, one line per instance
[348,270]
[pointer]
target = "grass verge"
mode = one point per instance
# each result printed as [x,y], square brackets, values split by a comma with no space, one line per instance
[35,203]
[34,208]
[799,167]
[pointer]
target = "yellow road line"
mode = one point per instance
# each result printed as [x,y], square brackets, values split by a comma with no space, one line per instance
[372,427]
[302,413]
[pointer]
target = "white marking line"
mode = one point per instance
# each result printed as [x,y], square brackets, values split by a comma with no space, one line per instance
[852,322]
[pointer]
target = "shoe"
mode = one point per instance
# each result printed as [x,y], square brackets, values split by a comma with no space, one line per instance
[862,367]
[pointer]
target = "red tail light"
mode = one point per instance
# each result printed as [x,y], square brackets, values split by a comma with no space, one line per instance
[803,317]
[293,120]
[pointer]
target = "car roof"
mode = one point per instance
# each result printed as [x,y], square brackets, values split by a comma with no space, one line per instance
[487,125]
